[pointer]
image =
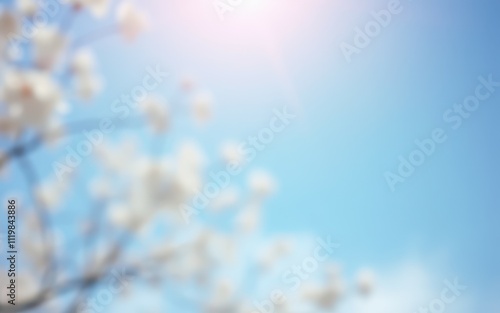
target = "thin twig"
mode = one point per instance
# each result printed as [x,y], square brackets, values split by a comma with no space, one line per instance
[21,149]
[32,179]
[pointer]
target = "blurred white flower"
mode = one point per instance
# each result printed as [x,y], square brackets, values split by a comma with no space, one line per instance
[9,33]
[50,194]
[9,25]
[201,105]
[365,281]
[27,7]
[404,288]
[160,185]
[156,112]
[34,248]
[82,63]
[9,127]
[98,8]
[87,83]
[190,157]
[120,215]
[32,286]
[326,296]
[49,44]
[87,86]
[249,219]
[186,185]
[153,176]
[101,188]
[224,288]
[164,252]
[31,98]
[131,20]
[232,153]
[117,158]
[274,252]
[224,249]
[53,133]
[222,300]
[226,199]
[221,305]
[261,183]
[333,271]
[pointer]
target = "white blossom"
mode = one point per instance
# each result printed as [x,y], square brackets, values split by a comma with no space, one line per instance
[98,8]
[83,63]
[120,215]
[101,188]
[325,296]
[87,83]
[365,281]
[201,105]
[53,133]
[116,158]
[249,219]
[27,7]
[226,198]
[156,112]
[131,20]
[190,157]
[49,44]
[141,193]
[31,97]
[50,194]
[87,86]
[232,153]
[9,25]
[31,286]
[261,183]
[274,252]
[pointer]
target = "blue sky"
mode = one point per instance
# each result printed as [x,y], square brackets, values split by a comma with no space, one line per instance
[357,118]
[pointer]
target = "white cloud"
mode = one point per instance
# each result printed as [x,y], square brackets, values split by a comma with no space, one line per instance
[403,290]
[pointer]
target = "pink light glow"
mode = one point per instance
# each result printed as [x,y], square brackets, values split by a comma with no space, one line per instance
[264,30]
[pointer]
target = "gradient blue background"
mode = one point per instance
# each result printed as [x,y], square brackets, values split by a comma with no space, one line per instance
[354,120]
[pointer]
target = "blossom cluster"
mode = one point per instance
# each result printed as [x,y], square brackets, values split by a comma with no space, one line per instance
[134,198]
